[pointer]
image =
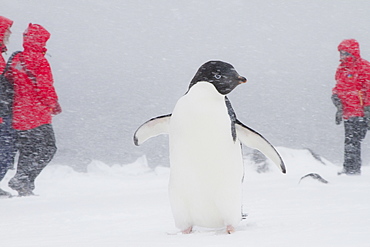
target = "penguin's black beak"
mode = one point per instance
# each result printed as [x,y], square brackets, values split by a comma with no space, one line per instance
[242,79]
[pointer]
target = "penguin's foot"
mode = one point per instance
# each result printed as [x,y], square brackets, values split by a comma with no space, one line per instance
[230,229]
[187,230]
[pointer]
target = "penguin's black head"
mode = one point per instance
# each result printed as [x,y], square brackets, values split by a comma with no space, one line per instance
[222,75]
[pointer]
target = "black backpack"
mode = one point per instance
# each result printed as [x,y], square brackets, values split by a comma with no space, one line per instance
[6,90]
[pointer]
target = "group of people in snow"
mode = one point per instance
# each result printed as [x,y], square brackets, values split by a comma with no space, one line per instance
[27,102]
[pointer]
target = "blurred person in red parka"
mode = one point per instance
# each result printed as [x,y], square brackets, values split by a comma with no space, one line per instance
[35,101]
[7,149]
[351,96]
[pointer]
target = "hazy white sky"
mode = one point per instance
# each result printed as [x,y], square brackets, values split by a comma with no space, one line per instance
[118,63]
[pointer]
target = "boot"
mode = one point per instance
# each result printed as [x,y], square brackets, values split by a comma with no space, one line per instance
[4,193]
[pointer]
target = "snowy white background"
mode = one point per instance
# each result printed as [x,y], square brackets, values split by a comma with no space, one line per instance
[118,63]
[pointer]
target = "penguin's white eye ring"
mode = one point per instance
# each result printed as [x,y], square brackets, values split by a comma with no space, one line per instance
[217,76]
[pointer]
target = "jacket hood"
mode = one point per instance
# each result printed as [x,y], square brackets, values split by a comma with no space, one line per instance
[35,38]
[5,23]
[350,46]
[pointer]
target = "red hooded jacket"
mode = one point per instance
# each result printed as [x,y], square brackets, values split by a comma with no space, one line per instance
[5,23]
[352,80]
[34,99]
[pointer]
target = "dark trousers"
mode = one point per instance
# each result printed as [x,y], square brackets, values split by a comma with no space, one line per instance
[7,146]
[355,131]
[36,149]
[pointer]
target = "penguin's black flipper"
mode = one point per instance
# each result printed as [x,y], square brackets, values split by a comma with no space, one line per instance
[253,139]
[151,128]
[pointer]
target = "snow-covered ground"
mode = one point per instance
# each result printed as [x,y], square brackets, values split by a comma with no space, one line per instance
[127,205]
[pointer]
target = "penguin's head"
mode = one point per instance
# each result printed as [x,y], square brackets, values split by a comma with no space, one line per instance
[222,75]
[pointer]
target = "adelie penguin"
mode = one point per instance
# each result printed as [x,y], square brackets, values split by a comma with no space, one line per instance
[206,163]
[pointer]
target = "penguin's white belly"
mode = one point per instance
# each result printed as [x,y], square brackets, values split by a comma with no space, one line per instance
[206,163]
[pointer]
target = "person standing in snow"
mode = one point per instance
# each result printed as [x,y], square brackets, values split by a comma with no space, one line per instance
[351,96]
[35,101]
[7,150]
